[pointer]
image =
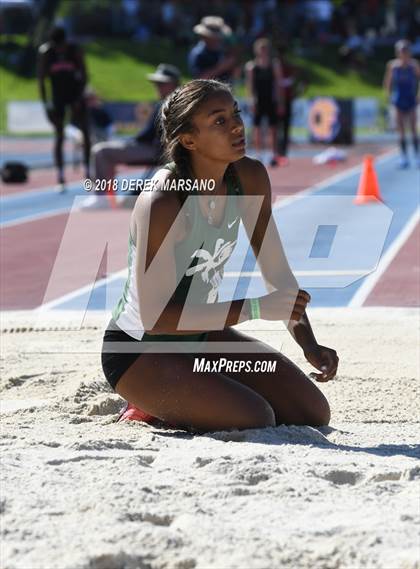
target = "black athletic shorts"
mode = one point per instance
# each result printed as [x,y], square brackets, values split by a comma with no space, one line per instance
[116,360]
[269,110]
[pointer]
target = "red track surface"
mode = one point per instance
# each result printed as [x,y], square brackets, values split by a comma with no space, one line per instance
[400,284]
[29,254]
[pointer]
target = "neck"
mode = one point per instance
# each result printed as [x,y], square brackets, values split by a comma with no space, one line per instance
[264,61]
[204,169]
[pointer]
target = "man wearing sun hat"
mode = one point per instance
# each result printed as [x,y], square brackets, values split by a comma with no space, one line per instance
[208,58]
[145,148]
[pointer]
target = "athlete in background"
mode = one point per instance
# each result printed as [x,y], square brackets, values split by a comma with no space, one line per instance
[62,63]
[263,80]
[402,85]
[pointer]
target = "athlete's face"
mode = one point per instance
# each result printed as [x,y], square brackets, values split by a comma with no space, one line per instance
[219,133]
[404,54]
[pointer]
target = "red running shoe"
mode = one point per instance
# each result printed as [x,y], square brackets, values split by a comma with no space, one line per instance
[132,413]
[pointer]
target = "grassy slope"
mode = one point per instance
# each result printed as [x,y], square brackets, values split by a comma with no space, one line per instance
[118,69]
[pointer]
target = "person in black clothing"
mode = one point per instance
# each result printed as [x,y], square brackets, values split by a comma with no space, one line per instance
[263,79]
[145,148]
[62,62]
[292,83]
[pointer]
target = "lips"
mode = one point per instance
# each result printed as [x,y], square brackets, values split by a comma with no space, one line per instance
[240,143]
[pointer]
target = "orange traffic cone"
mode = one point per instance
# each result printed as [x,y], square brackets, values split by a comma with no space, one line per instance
[112,199]
[368,189]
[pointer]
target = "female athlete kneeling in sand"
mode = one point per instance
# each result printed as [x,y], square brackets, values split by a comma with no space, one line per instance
[169,334]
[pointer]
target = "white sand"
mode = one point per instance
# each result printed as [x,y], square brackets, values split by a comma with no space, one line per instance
[80,491]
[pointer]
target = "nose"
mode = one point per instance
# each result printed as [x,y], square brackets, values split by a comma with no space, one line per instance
[238,126]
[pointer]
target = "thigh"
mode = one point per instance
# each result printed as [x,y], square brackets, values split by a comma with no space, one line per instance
[294,398]
[166,386]
[118,152]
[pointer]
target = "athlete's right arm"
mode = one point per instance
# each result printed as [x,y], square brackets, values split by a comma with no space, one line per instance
[388,77]
[160,224]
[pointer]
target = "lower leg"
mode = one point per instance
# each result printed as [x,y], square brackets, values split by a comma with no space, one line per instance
[166,387]
[402,142]
[58,153]
[413,128]
[273,139]
[86,150]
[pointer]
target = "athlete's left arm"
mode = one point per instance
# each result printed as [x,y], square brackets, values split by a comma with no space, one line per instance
[275,269]
[417,70]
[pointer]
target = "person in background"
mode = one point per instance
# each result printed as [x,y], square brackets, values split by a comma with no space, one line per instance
[209,58]
[62,63]
[401,82]
[263,80]
[290,84]
[145,148]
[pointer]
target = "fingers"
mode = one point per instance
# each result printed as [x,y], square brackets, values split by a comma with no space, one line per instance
[329,367]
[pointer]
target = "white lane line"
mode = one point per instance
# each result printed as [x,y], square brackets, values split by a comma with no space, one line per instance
[81,290]
[34,217]
[326,273]
[329,181]
[332,180]
[43,191]
[366,288]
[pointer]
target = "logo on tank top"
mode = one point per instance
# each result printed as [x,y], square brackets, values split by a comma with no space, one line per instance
[212,266]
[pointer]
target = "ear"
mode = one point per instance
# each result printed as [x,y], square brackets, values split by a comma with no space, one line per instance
[187,141]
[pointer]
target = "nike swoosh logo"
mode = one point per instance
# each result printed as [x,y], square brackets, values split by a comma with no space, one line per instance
[232,223]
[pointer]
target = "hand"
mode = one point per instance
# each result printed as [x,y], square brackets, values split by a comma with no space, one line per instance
[324,359]
[284,304]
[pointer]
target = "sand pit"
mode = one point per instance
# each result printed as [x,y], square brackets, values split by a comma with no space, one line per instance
[81,492]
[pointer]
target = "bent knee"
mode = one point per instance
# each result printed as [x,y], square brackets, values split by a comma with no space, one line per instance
[320,415]
[259,417]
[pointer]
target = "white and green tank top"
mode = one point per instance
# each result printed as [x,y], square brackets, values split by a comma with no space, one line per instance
[200,258]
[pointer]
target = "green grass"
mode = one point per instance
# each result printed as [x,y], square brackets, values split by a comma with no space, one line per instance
[118,68]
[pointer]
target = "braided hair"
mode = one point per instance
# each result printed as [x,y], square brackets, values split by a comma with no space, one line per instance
[176,117]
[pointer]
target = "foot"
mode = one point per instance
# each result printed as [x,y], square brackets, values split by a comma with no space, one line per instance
[132,413]
[273,162]
[283,161]
[403,163]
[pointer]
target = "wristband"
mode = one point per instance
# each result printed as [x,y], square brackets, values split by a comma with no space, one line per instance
[254,308]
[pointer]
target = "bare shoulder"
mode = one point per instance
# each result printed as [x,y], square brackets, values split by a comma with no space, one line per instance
[249,65]
[253,176]
[158,208]
[393,63]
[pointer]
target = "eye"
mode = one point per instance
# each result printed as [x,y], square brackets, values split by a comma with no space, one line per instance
[220,120]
